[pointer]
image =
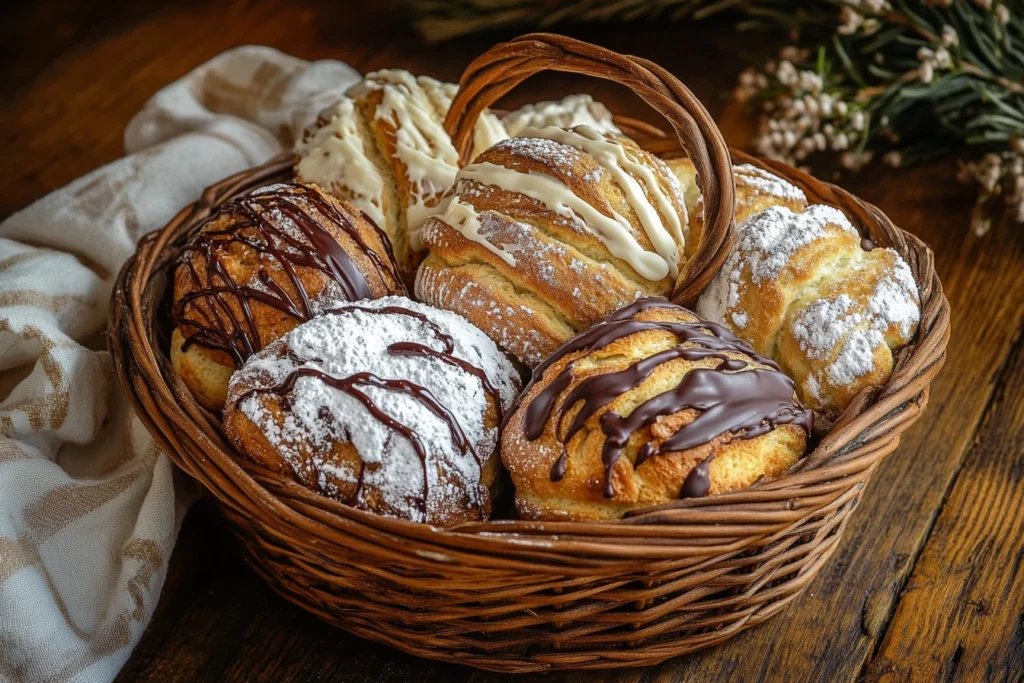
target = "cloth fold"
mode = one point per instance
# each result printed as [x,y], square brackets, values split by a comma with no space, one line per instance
[88,507]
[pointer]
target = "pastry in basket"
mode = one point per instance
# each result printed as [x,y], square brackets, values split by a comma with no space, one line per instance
[261,265]
[384,148]
[756,190]
[649,406]
[568,112]
[387,405]
[547,233]
[806,290]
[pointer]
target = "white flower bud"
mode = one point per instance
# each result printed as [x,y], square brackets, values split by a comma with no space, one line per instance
[926,72]
[942,58]
[841,108]
[949,36]
[840,142]
[820,143]
[857,120]
[1003,15]
[892,158]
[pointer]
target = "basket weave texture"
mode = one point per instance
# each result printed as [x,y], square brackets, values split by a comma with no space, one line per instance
[521,596]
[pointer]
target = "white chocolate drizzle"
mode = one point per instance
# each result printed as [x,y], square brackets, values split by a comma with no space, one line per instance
[613,158]
[466,219]
[334,157]
[614,231]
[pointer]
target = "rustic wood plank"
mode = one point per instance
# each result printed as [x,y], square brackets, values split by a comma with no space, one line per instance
[961,617]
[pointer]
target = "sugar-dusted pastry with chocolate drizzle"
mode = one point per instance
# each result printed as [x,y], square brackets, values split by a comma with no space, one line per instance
[568,112]
[805,289]
[547,233]
[756,190]
[649,406]
[261,265]
[386,405]
[383,148]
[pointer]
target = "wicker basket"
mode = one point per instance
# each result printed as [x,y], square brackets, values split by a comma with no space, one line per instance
[523,596]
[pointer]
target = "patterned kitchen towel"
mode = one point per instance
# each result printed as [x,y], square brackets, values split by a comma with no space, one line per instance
[88,506]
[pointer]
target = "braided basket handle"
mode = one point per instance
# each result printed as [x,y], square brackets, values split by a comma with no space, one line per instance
[506,65]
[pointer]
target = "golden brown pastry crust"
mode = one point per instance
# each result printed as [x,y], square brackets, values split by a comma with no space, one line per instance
[206,370]
[560,277]
[580,493]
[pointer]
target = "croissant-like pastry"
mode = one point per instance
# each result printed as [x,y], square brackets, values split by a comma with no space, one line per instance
[383,148]
[261,265]
[829,307]
[547,233]
[646,407]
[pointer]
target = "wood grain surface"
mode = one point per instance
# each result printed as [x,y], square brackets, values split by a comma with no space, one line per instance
[928,583]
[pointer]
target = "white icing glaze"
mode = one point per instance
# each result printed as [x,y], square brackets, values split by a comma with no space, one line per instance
[334,156]
[614,159]
[573,110]
[614,231]
[421,142]
[352,341]
[466,219]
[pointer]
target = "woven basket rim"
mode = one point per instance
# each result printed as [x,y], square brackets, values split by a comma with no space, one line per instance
[681,531]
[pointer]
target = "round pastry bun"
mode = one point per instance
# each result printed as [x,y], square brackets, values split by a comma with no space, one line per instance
[387,405]
[804,290]
[383,147]
[559,443]
[523,247]
[267,267]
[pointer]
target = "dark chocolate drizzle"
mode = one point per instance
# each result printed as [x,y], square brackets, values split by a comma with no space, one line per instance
[217,326]
[445,355]
[351,386]
[745,404]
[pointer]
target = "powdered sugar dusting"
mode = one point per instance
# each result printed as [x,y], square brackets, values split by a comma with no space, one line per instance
[895,299]
[351,341]
[769,183]
[769,239]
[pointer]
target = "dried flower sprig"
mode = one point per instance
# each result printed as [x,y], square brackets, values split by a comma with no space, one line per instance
[906,82]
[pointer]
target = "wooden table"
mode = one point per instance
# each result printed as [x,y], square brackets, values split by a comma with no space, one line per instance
[928,583]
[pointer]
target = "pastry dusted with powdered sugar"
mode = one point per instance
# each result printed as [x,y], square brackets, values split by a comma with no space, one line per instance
[545,234]
[827,305]
[386,405]
[384,148]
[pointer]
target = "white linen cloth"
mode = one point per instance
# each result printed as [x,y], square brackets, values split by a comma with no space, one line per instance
[88,507]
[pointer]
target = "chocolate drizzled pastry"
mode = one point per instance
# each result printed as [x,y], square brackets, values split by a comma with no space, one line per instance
[385,405]
[260,266]
[649,406]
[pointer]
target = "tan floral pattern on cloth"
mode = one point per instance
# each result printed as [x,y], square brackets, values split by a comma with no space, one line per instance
[89,509]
